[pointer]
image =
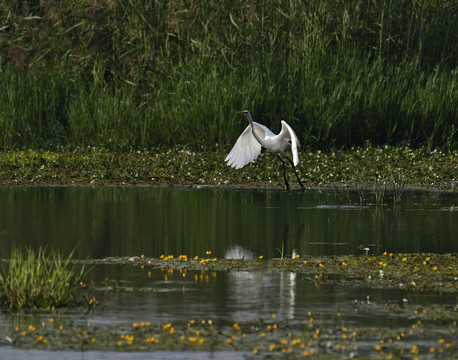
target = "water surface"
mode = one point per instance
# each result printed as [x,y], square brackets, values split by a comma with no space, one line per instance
[153,221]
[232,224]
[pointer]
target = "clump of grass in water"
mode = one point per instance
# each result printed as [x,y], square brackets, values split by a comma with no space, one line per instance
[38,280]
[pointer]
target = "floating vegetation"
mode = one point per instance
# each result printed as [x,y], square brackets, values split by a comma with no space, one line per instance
[373,171]
[40,280]
[426,331]
[330,336]
[422,272]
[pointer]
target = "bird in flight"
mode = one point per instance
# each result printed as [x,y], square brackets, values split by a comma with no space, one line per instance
[248,146]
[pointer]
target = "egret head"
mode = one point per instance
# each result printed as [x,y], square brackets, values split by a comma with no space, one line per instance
[245,113]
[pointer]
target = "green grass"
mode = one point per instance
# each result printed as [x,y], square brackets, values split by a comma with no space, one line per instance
[39,280]
[139,74]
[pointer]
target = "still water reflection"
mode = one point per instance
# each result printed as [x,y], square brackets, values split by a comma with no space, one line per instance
[154,221]
[231,224]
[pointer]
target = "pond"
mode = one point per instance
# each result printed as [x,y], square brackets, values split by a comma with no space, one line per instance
[235,223]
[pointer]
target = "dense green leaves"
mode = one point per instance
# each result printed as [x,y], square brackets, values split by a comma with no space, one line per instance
[141,74]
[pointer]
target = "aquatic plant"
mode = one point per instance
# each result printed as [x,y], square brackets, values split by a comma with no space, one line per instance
[328,335]
[420,272]
[344,170]
[40,280]
[323,334]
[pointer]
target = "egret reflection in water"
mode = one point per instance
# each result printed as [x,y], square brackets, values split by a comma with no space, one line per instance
[261,292]
[237,252]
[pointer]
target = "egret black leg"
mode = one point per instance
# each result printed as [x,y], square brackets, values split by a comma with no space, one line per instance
[295,172]
[284,174]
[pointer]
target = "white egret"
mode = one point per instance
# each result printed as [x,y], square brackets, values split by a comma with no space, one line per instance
[248,146]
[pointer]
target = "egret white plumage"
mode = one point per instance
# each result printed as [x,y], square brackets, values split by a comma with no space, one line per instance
[255,136]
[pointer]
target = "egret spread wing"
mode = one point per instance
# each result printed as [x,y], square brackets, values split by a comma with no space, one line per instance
[294,141]
[247,148]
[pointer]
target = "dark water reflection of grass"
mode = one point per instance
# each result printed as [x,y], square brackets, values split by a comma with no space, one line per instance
[112,221]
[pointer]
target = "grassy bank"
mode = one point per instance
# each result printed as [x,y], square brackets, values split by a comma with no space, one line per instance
[143,74]
[369,167]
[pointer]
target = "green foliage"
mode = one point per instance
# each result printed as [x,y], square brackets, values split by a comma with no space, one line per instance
[142,74]
[39,281]
[391,166]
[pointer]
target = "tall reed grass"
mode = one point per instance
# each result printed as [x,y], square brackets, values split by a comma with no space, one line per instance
[141,74]
[39,280]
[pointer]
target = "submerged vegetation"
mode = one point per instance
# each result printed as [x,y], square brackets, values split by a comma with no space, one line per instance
[39,280]
[142,74]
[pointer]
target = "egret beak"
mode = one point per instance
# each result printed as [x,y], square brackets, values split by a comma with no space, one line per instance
[240,112]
